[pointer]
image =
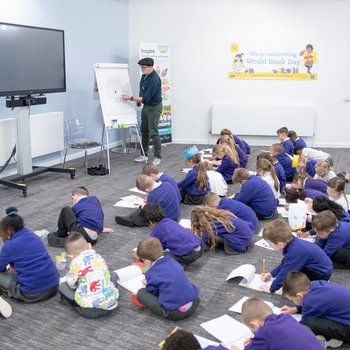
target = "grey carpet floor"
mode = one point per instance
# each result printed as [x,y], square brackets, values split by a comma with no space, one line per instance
[51,325]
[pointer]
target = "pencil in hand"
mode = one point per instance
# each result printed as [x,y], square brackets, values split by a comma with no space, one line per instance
[263,267]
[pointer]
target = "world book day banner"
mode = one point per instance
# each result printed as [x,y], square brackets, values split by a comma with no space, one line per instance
[161,56]
[273,61]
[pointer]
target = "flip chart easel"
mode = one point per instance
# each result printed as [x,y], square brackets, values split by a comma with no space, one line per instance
[112,82]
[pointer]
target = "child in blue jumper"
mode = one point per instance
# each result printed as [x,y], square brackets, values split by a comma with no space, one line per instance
[297,141]
[177,242]
[84,216]
[195,185]
[242,144]
[324,306]
[288,147]
[274,331]
[333,237]
[228,162]
[285,159]
[168,291]
[152,170]
[298,255]
[27,272]
[229,143]
[158,192]
[305,165]
[255,193]
[221,228]
[240,209]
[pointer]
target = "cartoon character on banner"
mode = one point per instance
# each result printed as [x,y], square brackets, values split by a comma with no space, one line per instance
[238,63]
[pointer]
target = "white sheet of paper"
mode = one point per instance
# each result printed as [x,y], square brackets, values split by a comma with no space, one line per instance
[186,223]
[136,190]
[238,306]
[282,211]
[131,278]
[246,271]
[132,199]
[124,204]
[282,202]
[263,244]
[226,329]
[186,170]
[261,232]
[204,342]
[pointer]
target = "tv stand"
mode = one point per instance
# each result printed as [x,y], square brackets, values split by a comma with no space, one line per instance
[25,168]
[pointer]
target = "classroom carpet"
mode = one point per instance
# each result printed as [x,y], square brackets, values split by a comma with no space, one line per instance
[52,325]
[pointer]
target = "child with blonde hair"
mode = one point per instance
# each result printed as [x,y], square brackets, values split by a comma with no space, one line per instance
[221,226]
[229,142]
[242,144]
[336,192]
[229,161]
[324,171]
[217,182]
[88,286]
[305,165]
[195,185]
[267,172]
[286,160]
[274,331]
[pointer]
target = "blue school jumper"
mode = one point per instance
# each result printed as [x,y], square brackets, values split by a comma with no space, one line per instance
[243,159]
[240,143]
[167,280]
[283,332]
[288,147]
[310,167]
[326,300]
[241,210]
[299,143]
[339,238]
[166,197]
[227,168]
[247,147]
[213,347]
[166,178]
[311,193]
[257,194]
[299,254]
[286,162]
[26,253]
[89,213]
[281,175]
[316,184]
[188,184]
[238,239]
[345,218]
[176,238]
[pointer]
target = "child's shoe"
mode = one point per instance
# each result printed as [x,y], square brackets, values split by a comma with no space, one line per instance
[124,220]
[136,301]
[331,343]
[54,240]
[5,308]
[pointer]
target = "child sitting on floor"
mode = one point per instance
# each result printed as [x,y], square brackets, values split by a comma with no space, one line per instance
[297,141]
[267,172]
[217,182]
[242,144]
[158,192]
[304,165]
[333,237]
[238,208]
[324,307]
[228,161]
[336,192]
[277,151]
[196,183]
[84,216]
[255,193]
[288,147]
[324,171]
[229,143]
[168,291]
[279,170]
[274,331]
[298,255]
[152,170]
[312,153]
[177,242]
[221,226]
[88,286]
[27,272]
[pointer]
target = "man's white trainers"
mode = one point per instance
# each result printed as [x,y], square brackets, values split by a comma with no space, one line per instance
[331,343]
[156,161]
[141,159]
[5,308]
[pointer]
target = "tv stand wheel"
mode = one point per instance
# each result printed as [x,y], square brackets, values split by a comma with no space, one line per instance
[72,176]
[24,193]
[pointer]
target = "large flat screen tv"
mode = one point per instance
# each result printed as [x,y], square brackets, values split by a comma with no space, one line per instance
[32,60]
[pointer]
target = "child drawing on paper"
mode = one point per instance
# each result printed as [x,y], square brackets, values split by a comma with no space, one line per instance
[310,57]
[238,63]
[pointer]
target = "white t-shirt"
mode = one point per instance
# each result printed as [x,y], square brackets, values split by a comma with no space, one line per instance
[269,179]
[327,177]
[217,183]
[314,154]
[343,202]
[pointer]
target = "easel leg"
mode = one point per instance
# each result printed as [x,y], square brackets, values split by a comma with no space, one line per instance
[107,149]
[139,138]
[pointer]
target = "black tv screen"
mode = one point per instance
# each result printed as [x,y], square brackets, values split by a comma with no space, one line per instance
[32,60]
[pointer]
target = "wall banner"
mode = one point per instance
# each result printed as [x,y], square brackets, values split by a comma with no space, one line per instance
[273,61]
[161,55]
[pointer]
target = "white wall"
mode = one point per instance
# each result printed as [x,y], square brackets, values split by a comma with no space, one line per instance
[200,32]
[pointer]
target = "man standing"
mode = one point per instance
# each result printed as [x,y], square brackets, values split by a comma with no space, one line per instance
[151,98]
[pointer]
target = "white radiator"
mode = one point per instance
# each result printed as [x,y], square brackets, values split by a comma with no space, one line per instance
[46,131]
[262,120]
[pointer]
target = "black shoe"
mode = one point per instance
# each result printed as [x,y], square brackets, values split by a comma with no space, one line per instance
[54,240]
[124,220]
[342,175]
